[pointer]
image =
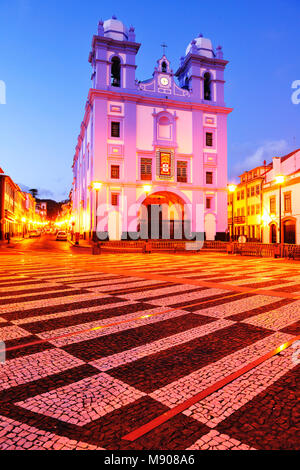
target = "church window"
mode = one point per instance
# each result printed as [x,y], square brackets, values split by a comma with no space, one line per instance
[115,129]
[209,177]
[209,139]
[164,128]
[116,72]
[114,199]
[146,169]
[207,86]
[164,67]
[115,171]
[186,83]
[182,172]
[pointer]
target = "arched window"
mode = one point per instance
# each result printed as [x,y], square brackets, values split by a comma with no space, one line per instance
[164,128]
[164,67]
[116,72]
[186,83]
[207,86]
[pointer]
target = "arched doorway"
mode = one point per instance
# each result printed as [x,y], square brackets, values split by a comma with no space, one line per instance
[289,231]
[162,217]
[273,233]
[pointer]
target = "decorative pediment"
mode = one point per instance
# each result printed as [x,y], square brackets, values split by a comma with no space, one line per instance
[163,80]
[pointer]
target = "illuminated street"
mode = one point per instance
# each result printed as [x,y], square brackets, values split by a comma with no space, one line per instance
[98,346]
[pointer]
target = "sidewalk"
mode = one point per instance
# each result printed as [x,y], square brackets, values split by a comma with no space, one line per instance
[12,243]
[82,243]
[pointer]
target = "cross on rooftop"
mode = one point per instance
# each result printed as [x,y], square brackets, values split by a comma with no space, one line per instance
[164,46]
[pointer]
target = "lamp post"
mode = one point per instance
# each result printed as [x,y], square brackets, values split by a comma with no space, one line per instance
[96,185]
[231,189]
[280,180]
[23,222]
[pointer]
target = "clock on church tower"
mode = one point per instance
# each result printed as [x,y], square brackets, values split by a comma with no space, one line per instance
[164,81]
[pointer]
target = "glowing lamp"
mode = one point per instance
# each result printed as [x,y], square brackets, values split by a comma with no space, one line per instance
[231,188]
[280,179]
[147,188]
[96,185]
[23,220]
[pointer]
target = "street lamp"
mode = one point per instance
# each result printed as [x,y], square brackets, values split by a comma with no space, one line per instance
[231,189]
[280,181]
[96,185]
[147,189]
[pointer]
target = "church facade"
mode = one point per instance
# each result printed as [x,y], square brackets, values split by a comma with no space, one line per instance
[151,157]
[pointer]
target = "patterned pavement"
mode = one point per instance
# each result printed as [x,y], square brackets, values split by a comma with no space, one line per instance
[97,346]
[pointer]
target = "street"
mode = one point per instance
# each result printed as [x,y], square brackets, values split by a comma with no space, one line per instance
[99,346]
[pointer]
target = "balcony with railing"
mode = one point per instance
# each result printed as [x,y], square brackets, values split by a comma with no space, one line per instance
[241,219]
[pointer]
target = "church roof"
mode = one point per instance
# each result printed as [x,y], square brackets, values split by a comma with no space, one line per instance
[203,46]
[115,29]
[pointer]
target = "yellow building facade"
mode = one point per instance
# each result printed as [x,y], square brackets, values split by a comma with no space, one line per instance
[246,203]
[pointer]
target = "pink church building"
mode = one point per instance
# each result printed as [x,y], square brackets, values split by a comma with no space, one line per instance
[151,157]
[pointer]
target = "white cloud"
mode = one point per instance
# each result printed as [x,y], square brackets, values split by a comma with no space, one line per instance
[266,151]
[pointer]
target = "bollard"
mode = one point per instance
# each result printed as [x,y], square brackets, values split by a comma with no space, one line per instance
[147,247]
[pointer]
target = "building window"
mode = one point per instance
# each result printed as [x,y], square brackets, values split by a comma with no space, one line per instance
[209,177]
[115,172]
[252,191]
[182,172]
[146,169]
[208,203]
[114,199]
[116,72]
[248,192]
[253,209]
[164,67]
[242,194]
[257,208]
[238,196]
[287,202]
[257,189]
[273,205]
[209,139]
[207,86]
[186,83]
[115,129]
[164,128]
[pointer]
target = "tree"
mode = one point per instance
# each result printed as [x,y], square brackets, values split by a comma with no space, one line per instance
[34,192]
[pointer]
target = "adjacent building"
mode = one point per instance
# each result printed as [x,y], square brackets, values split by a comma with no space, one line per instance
[152,149]
[262,201]
[18,213]
[12,208]
[246,203]
[289,207]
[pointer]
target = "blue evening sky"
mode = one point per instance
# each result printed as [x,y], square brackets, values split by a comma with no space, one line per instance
[44,47]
